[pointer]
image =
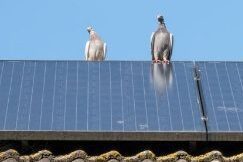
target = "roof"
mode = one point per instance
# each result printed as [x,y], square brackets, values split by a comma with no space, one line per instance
[80,155]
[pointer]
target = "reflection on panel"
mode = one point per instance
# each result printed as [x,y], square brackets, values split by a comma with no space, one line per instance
[161,77]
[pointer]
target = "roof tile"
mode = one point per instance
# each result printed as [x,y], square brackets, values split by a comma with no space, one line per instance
[114,156]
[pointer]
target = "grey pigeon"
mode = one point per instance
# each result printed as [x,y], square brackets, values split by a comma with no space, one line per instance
[95,49]
[161,43]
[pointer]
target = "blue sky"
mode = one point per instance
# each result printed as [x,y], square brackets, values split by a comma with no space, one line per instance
[56,29]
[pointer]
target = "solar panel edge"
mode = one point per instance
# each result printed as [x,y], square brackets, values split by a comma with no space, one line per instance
[102,136]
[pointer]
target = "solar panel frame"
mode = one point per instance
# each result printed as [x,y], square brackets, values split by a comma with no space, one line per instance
[222,99]
[52,92]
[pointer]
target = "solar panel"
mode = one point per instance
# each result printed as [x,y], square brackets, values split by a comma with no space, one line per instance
[112,100]
[222,87]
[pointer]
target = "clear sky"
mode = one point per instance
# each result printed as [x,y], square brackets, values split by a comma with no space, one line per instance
[56,29]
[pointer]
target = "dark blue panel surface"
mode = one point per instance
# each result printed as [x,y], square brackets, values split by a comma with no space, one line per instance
[37,96]
[5,90]
[14,96]
[26,91]
[110,96]
[59,103]
[116,97]
[105,97]
[48,96]
[223,95]
[82,96]
[128,97]
[71,97]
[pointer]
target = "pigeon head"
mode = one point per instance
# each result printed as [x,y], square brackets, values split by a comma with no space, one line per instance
[160,19]
[89,29]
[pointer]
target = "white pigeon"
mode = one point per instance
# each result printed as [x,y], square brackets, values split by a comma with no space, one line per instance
[161,42]
[95,49]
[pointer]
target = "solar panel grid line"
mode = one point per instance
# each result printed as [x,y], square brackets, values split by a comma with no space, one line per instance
[59,95]
[127,95]
[24,108]
[32,82]
[178,95]
[21,86]
[2,98]
[216,95]
[116,97]
[104,97]
[212,104]
[150,106]
[1,74]
[195,85]
[42,96]
[71,96]
[229,99]
[31,95]
[192,111]
[6,112]
[53,96]
[157,107]
[96,95]
[240,82]
[134,104]
[189,96]
[184,97]
[172,100]
[76,112]
[168,102]
[65,103]
[93,106]
[144,94]
[139,97]
[10,114]
[35,110]
[122,100]
[138,92]
[99,100]
[82,99]
[237,94]
[88,99]
[110,97]
[217,74]
[49,96]
[239,76]
[232,94]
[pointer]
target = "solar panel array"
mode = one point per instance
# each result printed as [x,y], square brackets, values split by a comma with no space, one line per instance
[132,98]
[222,87]
[126,100]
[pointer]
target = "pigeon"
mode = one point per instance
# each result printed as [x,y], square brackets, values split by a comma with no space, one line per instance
[161,43]
[95,49]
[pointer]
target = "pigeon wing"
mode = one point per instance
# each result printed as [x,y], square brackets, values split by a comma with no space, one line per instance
[171,45]
[87,50]
[105,50]
[152,44]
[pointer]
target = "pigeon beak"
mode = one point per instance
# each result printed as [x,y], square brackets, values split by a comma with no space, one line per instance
[89,29]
